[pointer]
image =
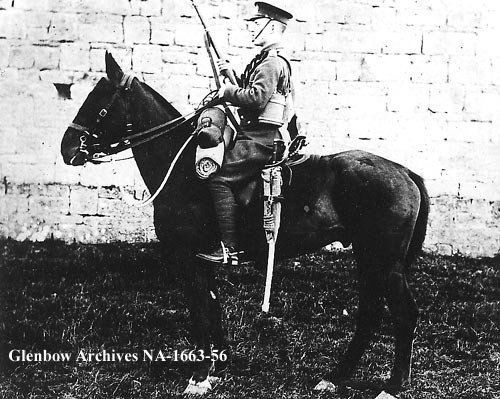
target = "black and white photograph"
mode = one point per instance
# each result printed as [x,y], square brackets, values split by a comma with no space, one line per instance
[250,199]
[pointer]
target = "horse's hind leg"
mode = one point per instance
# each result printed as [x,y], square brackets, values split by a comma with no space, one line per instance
[368,319]
[404,313]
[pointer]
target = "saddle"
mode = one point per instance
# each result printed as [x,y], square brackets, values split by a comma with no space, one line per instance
[215,137]
[247,193]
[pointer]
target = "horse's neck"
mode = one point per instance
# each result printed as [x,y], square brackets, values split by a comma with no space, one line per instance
[154,158]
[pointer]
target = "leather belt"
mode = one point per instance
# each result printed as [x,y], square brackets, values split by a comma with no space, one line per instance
[255,124]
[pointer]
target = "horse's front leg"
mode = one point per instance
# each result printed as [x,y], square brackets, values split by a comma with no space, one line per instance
[206,325]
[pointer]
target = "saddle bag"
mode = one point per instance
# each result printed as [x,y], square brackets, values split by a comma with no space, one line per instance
[213,134]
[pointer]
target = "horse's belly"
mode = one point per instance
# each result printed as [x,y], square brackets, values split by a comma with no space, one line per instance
[312,225]
[296,243]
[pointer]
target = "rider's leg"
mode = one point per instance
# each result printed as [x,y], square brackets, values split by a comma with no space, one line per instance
[225,212]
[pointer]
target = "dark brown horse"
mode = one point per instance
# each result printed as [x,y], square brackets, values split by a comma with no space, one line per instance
[355,197]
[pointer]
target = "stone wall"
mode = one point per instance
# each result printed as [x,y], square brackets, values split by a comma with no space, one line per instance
[414,81]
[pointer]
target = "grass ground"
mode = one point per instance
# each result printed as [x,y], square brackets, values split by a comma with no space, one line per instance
[66,298]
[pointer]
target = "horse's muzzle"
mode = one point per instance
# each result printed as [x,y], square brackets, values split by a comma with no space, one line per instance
[70,148]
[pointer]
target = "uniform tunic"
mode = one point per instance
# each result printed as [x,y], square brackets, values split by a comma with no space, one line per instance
[254,148]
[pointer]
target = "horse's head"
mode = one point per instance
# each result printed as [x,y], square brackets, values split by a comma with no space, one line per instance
[101,119]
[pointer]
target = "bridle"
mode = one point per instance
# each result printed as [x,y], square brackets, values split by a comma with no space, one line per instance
[94,150]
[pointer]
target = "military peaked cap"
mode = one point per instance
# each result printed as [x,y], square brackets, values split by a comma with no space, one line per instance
[271,9]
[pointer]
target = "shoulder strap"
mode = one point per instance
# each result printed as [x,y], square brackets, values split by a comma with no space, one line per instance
[287,63]
[284,85]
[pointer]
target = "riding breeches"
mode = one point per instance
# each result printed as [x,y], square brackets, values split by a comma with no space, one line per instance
[241,164]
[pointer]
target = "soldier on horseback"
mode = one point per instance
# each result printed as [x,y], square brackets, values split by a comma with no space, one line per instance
[264,97]
[358,198]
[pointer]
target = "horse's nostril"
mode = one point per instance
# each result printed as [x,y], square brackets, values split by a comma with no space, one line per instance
[77,160]
[70,149]
[68,157]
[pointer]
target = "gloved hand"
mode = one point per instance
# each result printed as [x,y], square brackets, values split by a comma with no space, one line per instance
[220,93]
[223,65]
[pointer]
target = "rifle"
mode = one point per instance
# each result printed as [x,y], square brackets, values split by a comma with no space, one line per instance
[210,43]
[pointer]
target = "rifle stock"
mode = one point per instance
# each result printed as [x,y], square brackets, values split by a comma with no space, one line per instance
[227,73]
[210,45]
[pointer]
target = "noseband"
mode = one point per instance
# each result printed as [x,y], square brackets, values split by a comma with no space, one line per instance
[89,138]
[95,132]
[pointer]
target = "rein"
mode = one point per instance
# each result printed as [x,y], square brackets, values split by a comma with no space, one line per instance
[95,151]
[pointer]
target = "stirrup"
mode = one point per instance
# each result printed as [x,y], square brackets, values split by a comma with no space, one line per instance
[226,256]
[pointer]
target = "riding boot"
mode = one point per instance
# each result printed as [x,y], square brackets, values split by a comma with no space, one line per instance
[225,212]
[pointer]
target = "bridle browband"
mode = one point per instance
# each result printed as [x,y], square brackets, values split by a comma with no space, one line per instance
[95,150]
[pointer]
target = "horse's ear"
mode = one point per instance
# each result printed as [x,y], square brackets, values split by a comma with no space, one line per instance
[113,70]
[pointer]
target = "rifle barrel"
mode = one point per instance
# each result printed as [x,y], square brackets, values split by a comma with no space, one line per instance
[199,15]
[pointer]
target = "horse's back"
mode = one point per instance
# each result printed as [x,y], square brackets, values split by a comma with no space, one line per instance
[362,162]
[360,172]
[357,169]
[353,196]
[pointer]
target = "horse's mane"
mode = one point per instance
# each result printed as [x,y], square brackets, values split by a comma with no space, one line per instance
[292,126]
[161,100]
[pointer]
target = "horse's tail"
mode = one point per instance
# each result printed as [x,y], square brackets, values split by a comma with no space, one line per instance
[420,229]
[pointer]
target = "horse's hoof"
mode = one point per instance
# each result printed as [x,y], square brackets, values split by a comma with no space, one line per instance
[198,389]
[202,387]
[385,395]
[214,380]
[325,385]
